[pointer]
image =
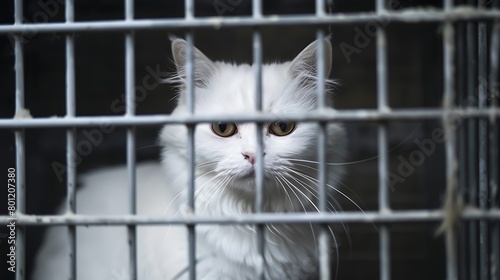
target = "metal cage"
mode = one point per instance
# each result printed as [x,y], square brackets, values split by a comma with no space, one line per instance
[470,215]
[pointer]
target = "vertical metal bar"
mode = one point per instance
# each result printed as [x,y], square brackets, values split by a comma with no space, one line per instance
[191,203]
[132,187]
[493,148]
[20,149]
[259,157]
[462,149]
[483,146]
[382,103]
[256,9]
[131,143]
[71,137]
[189,9]
[190,65]
[324,235]
[257,68]
[323,206]
[472,145]
[384,234]
[450,145]
[320,8]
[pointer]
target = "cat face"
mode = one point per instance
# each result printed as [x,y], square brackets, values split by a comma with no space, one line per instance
[229,149]
[233,145]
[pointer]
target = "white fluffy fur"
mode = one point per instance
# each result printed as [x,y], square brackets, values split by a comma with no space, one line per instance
[223,186]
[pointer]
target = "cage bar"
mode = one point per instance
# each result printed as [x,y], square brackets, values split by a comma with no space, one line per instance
[191,203]
[462,147]
[20,147]
[190,68]
[483,145]
[450,145]
[131,143]
[259,157]
[493,147]
[382,105]
[324,238]
[368,217]
[324,241]
[365,116]
[71,138]
[240,22]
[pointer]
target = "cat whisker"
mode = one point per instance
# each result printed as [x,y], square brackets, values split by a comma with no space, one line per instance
[217,188]
[221,186]
[274,231]
[196,191]
[276,178]
[316,181]
[205,163]
[300,174]
[303,185]
[333,163]
[316,162]
[311,189]
[329,227]
[292,187]
[289,184]
[199,189]
[148,147]
[346,230]
[337,180]
[183,205]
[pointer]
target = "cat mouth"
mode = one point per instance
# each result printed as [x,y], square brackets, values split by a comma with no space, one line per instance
[246,174]
[250,173]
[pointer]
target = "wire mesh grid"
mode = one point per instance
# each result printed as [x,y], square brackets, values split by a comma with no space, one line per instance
[476,225]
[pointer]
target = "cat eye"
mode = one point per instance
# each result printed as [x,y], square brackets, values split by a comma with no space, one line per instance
[224,129]
[281,128]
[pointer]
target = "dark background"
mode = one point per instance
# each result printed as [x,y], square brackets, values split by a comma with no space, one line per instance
[415,81]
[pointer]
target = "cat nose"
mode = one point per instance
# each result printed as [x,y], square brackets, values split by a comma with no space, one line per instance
[250,157]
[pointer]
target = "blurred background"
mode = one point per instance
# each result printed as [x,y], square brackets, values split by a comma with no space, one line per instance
[415,81]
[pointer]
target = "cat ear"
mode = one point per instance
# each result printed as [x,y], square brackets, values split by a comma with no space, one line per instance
[305,63]
[204,68]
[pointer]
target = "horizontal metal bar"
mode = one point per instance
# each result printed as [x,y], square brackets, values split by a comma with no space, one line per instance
[410,16]
[107,122]
[296,218]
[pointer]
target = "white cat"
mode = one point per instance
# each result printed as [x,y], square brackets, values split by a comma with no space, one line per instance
[224,184]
